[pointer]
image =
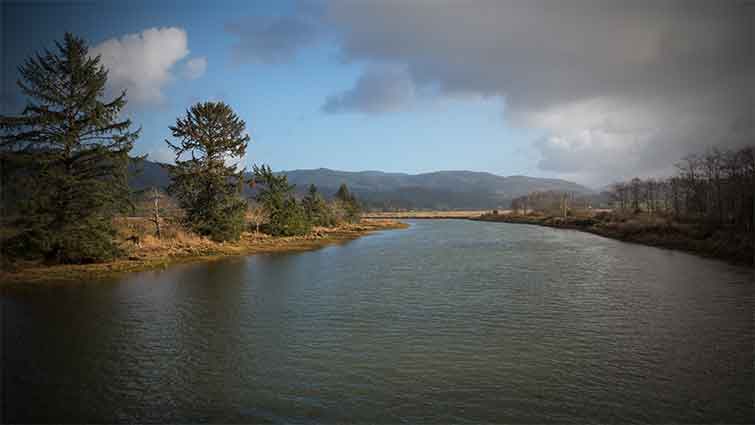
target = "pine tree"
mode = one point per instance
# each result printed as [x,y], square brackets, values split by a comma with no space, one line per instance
[315,208]
[69,152]
[286,216]
[348,202]
[208,190]
[343,194]
[273,190]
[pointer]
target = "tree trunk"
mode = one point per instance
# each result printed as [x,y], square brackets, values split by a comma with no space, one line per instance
[156,214]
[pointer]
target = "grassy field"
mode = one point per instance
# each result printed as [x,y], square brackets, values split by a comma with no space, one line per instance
[177,246]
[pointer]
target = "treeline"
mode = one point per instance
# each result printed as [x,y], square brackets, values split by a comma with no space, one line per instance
[550,202]
[210,191]
[281,214]
[707,207]
[717,187]
[65,162]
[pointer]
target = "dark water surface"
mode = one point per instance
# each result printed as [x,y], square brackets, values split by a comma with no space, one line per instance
[448,321]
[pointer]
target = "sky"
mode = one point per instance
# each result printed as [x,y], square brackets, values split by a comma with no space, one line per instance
[589,91]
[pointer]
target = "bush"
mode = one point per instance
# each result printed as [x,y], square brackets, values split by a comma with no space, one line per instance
[290,220]
[221,224]
[318,212]
[347,206]
[87,242]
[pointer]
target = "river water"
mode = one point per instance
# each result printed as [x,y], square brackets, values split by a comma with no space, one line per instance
[447,321]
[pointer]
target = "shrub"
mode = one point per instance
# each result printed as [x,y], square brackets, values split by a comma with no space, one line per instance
[290,220]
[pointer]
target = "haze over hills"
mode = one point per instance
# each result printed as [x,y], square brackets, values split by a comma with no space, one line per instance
[377,189]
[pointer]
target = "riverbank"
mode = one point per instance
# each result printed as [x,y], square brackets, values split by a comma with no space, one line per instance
[152,253]
[422,215]
[731,246]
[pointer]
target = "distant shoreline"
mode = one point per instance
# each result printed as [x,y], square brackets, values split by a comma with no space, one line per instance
[670,235]
[250,244]
[425,215]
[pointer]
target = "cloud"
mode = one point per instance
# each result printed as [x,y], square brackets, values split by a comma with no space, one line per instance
[142,63]
[195,68]
[378,90]
[264,39]
[162,154]
[614,86]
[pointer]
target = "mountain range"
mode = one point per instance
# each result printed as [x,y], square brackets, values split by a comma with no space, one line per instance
[440,190]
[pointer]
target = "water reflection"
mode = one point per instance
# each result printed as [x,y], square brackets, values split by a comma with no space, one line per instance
[449,321]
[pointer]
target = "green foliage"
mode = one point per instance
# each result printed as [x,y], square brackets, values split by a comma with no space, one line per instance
[208,190]
[316,209]
[287,217]
[273,189]
[348,204]
[67,157]
[291,220]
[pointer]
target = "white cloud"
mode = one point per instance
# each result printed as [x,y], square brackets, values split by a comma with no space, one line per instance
[604,139]
[195,68]
[162,154]
[142,63]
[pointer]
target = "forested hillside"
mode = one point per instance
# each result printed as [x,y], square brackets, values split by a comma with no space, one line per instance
[379,190]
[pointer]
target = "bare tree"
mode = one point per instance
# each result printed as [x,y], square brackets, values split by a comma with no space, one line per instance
[718,187]
[257,214]
[650,195]
[712,165]
[635,190]
[156,219]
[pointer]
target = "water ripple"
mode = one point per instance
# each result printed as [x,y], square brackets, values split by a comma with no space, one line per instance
[448,321]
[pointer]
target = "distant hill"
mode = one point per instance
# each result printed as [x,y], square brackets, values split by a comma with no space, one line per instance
[436,190]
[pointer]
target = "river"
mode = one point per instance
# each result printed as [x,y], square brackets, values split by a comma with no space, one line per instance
[447,321]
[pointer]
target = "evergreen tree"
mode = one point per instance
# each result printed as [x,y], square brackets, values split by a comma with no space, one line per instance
[348,202]
[69,153]
[273,190]
[207,189]
[343,194]
[287,217]
[316,209]
[291,220]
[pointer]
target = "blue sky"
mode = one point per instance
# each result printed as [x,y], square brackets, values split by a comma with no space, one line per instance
[281,103]
[590,93]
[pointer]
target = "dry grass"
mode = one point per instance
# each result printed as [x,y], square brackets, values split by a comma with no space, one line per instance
[655,230]
[178,245]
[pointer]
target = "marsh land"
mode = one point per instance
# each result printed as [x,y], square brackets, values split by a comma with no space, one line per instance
[178,246]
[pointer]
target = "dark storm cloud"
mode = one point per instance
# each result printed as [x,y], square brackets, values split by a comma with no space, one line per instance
[270,39]
[378,90]
[536,52]
[617,87]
